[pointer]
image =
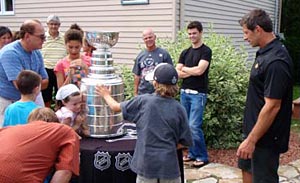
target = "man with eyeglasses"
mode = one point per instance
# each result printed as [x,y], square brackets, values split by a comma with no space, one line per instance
[53,50]
[21,55]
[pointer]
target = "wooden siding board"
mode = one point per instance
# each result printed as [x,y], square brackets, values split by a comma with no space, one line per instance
[131,20]
[224,15]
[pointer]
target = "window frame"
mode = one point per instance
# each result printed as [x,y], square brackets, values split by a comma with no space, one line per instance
[3,5]
[134,2]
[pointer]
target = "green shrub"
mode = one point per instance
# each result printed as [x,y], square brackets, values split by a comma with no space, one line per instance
[228,81]
[127,76]
[228,78]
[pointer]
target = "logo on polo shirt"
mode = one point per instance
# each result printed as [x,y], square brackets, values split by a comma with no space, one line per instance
[102,160]
[123,161]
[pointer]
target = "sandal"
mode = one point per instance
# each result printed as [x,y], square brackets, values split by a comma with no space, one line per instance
[199,163]
[187,159]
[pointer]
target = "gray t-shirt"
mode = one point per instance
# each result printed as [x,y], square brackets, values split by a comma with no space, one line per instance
[145,63]
[161,124]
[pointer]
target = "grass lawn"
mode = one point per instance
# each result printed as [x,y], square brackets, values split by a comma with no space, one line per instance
[296,123]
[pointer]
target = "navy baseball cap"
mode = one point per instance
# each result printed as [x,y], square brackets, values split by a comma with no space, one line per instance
[163,73]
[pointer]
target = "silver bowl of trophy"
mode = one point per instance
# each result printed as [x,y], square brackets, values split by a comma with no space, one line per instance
[102,39]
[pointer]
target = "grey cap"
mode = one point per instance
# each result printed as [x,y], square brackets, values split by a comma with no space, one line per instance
[53,18]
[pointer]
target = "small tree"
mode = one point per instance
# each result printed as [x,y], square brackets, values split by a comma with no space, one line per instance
[228,78]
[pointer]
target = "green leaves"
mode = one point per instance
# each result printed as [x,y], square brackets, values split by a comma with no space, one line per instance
[228,80]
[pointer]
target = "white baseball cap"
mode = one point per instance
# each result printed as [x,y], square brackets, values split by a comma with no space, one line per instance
[65,91]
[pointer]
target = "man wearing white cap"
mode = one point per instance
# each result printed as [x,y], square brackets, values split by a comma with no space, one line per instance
[52,51]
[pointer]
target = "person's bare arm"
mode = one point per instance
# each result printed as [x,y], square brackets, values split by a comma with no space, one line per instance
[196,70]
[44,84]
[264,121]
[136,84]
[105,93]
[60,79]
[67,121]
[181,74]
[61,176]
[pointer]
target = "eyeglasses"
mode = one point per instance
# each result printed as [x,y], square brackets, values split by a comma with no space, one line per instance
[41,36]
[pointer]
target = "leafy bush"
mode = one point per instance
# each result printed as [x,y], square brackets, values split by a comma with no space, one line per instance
[228,77]
[127,75]
[228,80]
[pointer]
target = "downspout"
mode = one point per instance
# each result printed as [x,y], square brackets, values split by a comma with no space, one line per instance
[174,18]
[181,16]
[278,7]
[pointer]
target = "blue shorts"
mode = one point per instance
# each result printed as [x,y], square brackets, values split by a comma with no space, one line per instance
[263,166]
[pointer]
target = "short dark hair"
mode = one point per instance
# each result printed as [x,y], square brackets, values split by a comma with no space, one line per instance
[73,34]
[4,30]
[257,17]
[28,27]
[27,80]
[195,24]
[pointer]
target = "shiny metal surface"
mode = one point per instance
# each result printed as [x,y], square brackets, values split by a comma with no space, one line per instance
[102,61]
[102,40]
[102,121]
[100,54]
[101,70]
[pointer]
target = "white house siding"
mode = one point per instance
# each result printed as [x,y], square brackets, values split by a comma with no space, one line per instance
[103,15]
[166,17]
[224,14]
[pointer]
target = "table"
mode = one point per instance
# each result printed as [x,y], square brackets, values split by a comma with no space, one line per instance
[102,161]
[108,162]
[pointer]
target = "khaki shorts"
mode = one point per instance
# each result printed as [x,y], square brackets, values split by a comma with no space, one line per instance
[3,105]
[140,179]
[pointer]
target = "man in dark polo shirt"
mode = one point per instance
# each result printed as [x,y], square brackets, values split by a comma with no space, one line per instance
[268,109]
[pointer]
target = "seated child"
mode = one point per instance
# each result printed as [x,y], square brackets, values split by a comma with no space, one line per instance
[70,110]
[29,84]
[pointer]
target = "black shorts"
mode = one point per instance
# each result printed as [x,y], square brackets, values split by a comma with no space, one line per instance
[51,90]
[263,166]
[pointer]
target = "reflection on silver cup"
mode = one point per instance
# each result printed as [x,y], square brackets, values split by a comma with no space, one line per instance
[102,40]
[101,120]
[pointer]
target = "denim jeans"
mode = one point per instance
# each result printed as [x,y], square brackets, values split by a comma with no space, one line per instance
[194,105]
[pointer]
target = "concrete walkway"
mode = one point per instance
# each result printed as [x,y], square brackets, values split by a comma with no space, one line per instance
[219,173]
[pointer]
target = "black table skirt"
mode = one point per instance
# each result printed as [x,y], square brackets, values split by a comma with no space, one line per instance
[108,162]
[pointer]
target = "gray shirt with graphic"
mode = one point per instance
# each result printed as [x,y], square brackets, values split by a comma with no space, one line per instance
[145,63]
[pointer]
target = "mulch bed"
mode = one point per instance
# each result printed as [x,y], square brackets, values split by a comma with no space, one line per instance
[228,156]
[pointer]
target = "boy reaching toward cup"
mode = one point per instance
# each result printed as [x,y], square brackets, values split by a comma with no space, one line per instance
[161,123]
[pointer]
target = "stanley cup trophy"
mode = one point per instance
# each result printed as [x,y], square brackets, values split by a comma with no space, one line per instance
[102,121]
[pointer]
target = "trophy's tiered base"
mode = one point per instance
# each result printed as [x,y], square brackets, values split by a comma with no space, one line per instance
[102,121]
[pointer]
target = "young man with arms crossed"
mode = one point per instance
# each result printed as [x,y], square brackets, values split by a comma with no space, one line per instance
[193,67]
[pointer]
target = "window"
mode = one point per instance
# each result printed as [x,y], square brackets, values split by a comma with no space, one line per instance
[129,2]
[6,7]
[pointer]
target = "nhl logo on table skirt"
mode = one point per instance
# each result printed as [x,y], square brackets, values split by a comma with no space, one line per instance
[123,161]
[102,160]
